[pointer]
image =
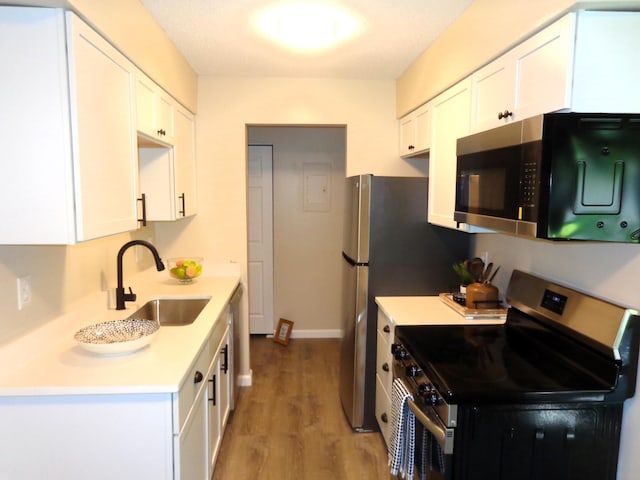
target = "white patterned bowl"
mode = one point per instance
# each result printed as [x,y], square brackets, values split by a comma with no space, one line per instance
[117,336]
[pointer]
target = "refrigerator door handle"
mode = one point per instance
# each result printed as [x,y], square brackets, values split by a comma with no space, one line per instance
[352,262]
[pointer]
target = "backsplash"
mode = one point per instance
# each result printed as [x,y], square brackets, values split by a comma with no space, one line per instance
[59,275]
[603,270]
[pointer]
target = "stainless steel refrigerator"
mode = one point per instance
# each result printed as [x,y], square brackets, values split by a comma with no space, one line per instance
[389,249]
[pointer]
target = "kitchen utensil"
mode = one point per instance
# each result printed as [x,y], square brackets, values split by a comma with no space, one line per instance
[476,268]
[494,274]
[487,272]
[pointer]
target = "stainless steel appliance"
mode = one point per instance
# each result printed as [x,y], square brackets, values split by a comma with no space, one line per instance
[389,249]
[538,397]
[234,345]
[559,176]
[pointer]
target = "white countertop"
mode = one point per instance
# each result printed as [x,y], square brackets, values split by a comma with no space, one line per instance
[48,361]
[429,310]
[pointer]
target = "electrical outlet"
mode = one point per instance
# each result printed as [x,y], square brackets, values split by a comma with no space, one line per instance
[24,291]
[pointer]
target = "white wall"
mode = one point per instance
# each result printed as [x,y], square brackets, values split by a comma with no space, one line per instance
[307,242]
[59,276]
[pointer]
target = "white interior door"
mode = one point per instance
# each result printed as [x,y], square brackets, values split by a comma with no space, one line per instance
[260,272]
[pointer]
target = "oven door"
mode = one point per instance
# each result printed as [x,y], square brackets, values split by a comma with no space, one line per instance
[434,445]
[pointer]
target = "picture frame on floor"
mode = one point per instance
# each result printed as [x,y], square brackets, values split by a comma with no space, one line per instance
[283,332]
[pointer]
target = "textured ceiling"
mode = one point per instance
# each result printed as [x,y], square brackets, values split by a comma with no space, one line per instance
[217,37]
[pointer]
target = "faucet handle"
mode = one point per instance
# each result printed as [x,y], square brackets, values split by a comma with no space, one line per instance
[130,297]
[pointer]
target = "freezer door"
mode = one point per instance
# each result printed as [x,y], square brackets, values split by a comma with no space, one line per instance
[356,218]
[353,346]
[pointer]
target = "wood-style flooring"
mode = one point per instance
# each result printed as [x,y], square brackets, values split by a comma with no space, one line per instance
[290,425]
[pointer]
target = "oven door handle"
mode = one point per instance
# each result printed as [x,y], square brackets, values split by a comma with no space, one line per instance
[436,430]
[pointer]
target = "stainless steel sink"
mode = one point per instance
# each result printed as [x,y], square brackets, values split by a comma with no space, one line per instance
[171,311]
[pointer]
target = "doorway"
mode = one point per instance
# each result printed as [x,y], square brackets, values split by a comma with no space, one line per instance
[309,165]
[260,238]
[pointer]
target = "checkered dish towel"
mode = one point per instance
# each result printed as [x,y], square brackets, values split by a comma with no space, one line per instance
[403,430]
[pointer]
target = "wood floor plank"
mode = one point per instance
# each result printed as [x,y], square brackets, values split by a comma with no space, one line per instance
[290,425]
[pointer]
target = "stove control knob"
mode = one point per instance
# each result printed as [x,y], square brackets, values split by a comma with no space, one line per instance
[399,352]
[424,389]
[432,399]
[413,371]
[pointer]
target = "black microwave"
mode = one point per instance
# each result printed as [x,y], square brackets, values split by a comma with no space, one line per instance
[557,176]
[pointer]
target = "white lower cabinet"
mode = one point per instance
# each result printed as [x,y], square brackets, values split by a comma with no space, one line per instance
[155,436]
[384,374]
[191,444]
[218,400]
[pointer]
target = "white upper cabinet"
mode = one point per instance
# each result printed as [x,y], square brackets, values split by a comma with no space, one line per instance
[580,63]
[155,110]
[606,71]
[533,78]
[168,174]
[69,171]
[450,121]
[415,131]
[185,167]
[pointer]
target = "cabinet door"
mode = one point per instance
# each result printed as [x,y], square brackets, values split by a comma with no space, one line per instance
[154,110]
[145,105]
[225,378]
[493,95]
[214,429]
[38,201]
[103,139]
[543,67]
[66,131]
[415,131]
[185,163]
[157,182]
[191,443]
[450,121]
[531,79]
[422,123]
[165,109]
[383,410]
[407,135]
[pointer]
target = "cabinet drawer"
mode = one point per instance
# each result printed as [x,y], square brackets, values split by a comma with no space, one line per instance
[385,328]
[194,381]
[384,366]
[383,409]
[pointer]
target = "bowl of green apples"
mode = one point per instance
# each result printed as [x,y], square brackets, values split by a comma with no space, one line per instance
[185,269]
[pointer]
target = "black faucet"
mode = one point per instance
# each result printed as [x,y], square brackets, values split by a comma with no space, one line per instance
[122,297]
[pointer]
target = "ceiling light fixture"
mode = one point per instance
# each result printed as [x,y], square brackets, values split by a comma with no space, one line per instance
[306,26]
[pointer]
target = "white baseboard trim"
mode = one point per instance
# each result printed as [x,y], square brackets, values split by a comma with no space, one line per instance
[316,334]
[245,380]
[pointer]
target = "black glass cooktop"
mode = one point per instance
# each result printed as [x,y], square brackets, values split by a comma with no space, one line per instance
[519,361]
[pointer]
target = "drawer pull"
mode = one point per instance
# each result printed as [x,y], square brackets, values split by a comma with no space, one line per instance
[212,380]
[198,377]
[385,367]
[384,418]
[225,364]
[386,329]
